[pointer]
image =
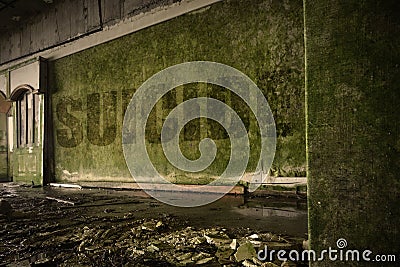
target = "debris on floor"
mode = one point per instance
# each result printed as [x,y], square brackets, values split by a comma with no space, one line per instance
[41,231]
[5,207]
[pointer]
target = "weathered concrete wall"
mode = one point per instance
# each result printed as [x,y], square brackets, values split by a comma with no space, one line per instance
[353,80]
[3,144]
[65,21]
[5,168]
[91,89]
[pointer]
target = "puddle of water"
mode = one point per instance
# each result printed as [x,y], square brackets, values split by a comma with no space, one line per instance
[278,215]
[261,214]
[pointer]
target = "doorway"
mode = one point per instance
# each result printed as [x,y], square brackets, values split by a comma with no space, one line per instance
[27,149]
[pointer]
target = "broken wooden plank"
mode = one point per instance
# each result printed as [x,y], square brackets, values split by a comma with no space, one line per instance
[66,185]
[61,200]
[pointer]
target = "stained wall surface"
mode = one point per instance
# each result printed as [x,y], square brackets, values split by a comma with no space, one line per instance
[91,89]
[353,96]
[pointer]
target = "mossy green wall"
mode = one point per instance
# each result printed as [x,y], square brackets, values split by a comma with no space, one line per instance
[353,139]
[91,89]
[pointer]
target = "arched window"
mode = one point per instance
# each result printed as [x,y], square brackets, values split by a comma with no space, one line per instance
[27,117]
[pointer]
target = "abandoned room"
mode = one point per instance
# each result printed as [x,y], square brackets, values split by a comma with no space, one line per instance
[199,133]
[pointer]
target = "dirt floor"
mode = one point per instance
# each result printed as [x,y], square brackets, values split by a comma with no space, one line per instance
[96,227]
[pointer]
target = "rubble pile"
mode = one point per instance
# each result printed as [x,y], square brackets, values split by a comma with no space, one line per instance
[39,231]
[156,243]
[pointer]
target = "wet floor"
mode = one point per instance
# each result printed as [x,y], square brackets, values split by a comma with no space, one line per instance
[46,223]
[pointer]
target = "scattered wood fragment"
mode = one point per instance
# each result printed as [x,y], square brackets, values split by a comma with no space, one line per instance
[61,200]
[66,185]
[104,204]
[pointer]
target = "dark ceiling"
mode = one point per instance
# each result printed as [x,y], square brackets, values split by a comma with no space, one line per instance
[14,12]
